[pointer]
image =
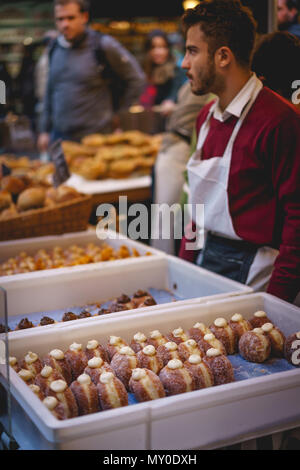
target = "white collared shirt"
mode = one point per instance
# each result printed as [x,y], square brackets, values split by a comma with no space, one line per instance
[236,106]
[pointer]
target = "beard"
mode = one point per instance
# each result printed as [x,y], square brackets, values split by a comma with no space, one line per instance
[208,81]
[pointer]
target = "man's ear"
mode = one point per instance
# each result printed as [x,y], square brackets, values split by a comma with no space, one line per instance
[223,57]
[86,16]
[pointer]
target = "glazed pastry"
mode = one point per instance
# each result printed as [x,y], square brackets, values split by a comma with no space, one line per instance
[24,324]
[255,346]
[123,364]
[138,342]
[45,377]
[55,407]
[37,391]
[149,359]
[14,363]
[84,314]
[56,359]
[32,362]
[76,359]
[276,337]
[188,348]
[292,348]
[94,349]
[111,392]
[142,297]
[177,336]
[68,316]
[95,367]
[210,341]
[239,326]
[46,321]
[220,366]
[225,334]
[26,375]
[145,385]
[176,378]
[86,395]
[125,301]
[200,370]
[114,346]
[198,331]
[156,339]
[60,390]
[258,319]
[168,351]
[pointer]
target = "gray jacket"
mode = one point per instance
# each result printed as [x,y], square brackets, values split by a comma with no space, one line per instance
[78,100]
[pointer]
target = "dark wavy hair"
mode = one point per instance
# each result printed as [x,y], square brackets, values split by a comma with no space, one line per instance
[224,23]
[277,60]
[84,5]
[148,65]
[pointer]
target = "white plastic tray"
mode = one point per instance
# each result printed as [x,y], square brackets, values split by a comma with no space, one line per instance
[110,185]
[200,419]
[60,289]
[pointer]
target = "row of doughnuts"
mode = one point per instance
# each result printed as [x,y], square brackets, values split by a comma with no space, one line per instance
[139,299]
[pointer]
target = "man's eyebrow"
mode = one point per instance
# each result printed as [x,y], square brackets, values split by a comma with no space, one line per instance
[191,48]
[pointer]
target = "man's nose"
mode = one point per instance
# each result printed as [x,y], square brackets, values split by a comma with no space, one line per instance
[185,63]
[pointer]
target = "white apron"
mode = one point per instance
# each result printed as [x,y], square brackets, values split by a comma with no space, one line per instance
[208,184]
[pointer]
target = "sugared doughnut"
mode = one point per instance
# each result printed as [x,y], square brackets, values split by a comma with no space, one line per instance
[258,319]
[292,349]
[94,349]
[239,326]
[60,390]
[276,337]
[123,364]
[168,351]
[45,377]
[149,359]
[56,359]
[27,376]
[156,339]
[32,362]
[225,334]
[138,342]
[177,336]
[55,407]
[37,391]
[188,348]
[200,370]
[86,395]
[198,331]
[210,341]
[145,385]
[76,359]
[220,366]
[176,378]
[114,345]
[111,392]
[13,362]
[95,367]
[255,346]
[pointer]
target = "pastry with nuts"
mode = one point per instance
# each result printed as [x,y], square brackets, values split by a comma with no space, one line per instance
[176,378]
[149,359]
[86,395]
[145,385]
[111,392]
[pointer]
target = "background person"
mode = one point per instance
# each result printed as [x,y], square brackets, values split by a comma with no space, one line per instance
[164,76]
[287,16]
[79,98]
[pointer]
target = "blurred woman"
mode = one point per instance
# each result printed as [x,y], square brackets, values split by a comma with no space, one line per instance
[164,76]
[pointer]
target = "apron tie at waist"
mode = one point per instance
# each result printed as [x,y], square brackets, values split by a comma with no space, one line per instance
[237,244]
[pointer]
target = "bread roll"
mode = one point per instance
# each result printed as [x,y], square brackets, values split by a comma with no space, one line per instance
[32,198]
[5,200]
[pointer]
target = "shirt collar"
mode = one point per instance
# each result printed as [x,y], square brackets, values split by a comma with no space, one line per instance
[235,108]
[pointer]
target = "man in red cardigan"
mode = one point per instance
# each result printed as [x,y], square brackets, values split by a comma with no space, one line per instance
[246,169]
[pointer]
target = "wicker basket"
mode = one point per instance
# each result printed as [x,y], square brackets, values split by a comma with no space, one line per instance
[71,216]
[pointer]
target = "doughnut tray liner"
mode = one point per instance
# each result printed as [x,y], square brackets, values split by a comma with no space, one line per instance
[263,399]
[56,291]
